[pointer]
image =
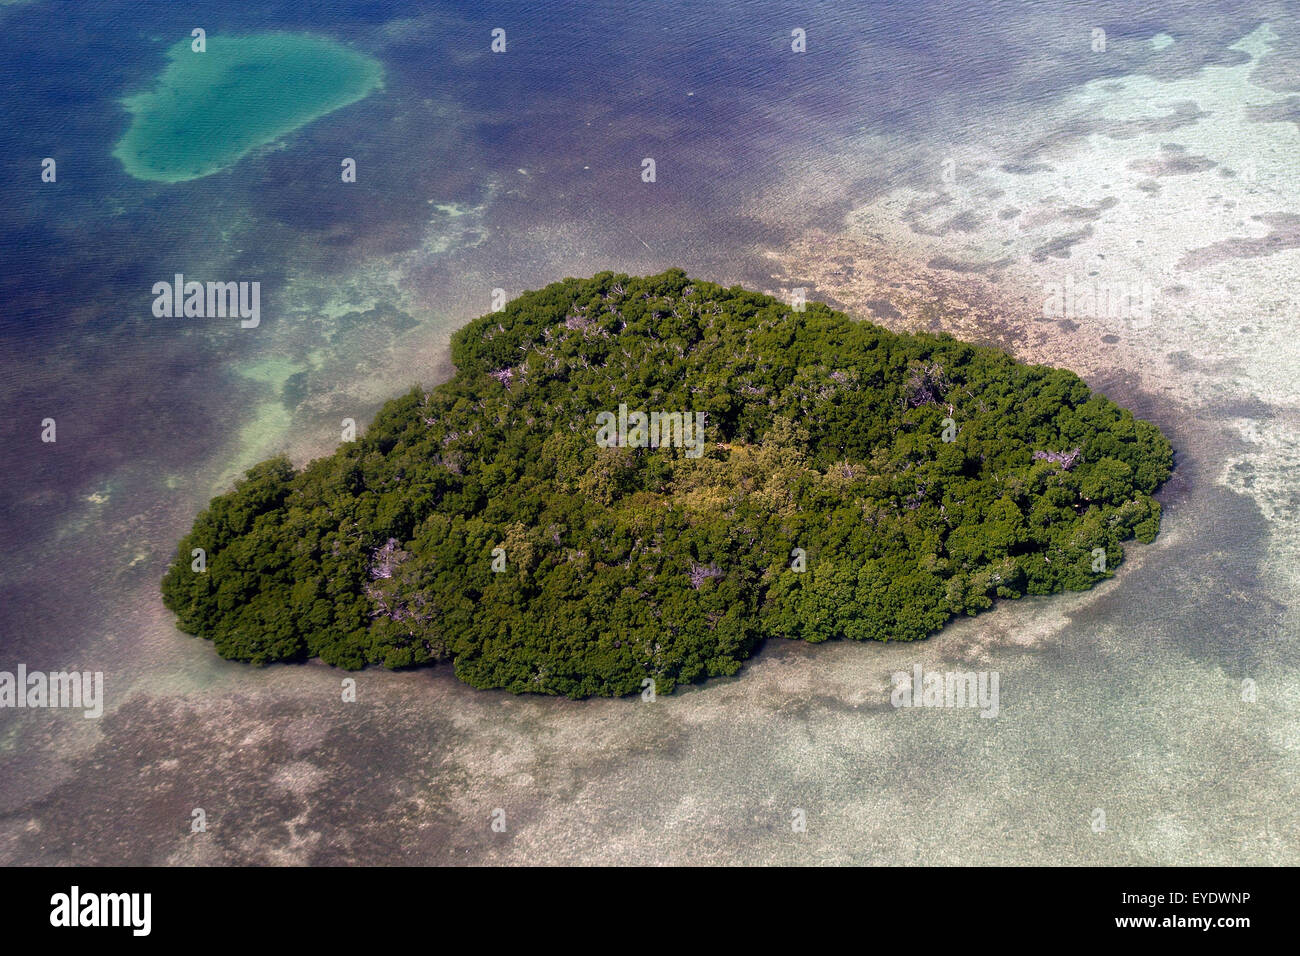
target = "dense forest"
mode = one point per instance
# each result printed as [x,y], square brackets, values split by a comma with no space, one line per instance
[854,483]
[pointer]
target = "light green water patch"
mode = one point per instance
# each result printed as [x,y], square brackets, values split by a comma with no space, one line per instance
[456,225]
[208,110]
[261,436]
[452,210]
[1161,40]
[272,370]
[287,377]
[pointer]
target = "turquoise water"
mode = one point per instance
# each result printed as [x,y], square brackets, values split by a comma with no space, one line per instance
[479,171]
[212,106]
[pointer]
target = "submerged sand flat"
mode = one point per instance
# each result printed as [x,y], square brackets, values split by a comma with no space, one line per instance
[208,110]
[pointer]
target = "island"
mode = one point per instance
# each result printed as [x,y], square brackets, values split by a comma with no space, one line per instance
[634,482]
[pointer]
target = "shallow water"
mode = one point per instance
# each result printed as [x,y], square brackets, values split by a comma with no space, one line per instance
[214,104]
[828,170]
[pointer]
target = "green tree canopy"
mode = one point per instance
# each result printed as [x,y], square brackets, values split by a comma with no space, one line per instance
[618,564]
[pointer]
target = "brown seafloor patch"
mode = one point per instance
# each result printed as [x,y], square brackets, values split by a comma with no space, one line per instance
[986,305]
